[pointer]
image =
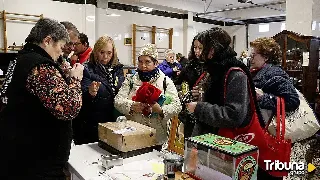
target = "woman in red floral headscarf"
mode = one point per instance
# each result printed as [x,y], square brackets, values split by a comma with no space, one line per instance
[148,96]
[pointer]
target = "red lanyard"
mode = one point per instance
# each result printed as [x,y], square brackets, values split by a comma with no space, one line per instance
[200,78]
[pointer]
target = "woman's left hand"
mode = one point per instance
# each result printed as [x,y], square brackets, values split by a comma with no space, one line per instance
[191,106]
[156,108]
[259,93]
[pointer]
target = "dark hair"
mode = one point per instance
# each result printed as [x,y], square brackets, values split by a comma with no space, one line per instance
[192,55]
[179,55]
[47,27]
[70,27]
[84,39]
[219,40]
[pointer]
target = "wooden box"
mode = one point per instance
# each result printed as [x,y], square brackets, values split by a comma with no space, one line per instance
[127,136]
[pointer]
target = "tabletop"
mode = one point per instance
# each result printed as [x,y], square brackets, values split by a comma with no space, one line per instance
[84,163]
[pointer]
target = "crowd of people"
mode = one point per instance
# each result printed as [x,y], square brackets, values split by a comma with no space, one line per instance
[60,88]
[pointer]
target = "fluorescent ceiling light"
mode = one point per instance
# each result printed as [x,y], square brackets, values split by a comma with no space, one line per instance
[90,18]
[283,26]
[146,9]
[314,25]
[114,15]
[264,28]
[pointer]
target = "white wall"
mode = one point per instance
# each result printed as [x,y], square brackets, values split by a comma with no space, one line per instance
[17,31]
[121,27]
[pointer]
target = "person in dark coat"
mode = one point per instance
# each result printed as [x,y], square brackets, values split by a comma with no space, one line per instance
[195,66]
[182,60]
[272,82]
[188,76]
[215,111]
[102,78]
[270,77]
[40,103]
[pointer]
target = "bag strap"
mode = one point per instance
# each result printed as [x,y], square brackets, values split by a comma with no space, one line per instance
[281,120]
[164,85]
[200,78]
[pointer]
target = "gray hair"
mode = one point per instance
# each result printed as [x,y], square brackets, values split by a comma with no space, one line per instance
[167,52]
[70,27]
[47,27]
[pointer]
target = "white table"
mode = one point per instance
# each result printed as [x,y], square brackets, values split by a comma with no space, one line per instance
[83,159]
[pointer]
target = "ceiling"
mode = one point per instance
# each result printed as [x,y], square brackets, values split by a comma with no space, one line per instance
[188,5]
[222,4]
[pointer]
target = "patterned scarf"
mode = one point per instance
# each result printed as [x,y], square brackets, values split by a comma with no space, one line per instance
[148,76]
[108,70]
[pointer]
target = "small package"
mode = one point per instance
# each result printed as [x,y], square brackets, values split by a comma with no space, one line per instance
[212,157]
[127,136]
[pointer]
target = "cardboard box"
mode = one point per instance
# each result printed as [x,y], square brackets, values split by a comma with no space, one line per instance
[209,155]
[127,136]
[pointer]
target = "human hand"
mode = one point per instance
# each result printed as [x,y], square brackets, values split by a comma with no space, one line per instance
[175,69]
[156,108]
[94,88]
[77,71]
[138,107]
[178,72]
[191,106]
[74,58]
[65,66]
[259,92]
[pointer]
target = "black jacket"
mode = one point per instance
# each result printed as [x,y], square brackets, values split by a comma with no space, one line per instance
[32,138]
[190,73]
[96,109]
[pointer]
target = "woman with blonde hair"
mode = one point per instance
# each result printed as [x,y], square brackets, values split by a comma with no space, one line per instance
[102,78]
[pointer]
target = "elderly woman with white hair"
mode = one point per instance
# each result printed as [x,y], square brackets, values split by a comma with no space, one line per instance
[169,67]
[40,102]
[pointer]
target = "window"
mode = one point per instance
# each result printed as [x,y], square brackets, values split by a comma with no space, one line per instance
[264,28]
[283,26]
[314,25]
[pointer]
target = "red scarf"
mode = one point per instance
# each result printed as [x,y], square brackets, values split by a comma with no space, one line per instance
[82,58]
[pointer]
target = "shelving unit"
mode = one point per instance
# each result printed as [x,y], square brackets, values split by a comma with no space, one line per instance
[15,17]
[153,30]
[300,59]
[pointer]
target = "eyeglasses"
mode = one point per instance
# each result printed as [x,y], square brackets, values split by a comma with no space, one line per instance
[252,55]
[73,44]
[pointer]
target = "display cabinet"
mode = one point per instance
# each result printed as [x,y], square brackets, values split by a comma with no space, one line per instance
[300,59]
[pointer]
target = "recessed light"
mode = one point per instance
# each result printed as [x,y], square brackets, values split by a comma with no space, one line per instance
[146,9]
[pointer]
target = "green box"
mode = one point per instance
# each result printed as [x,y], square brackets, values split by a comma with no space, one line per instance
[212,157]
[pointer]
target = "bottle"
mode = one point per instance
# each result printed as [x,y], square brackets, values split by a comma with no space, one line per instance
[201,93]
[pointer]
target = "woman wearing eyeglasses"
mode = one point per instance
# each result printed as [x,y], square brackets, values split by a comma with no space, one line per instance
[102,78]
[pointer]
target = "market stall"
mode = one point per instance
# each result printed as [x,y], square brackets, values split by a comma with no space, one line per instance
[134,156]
